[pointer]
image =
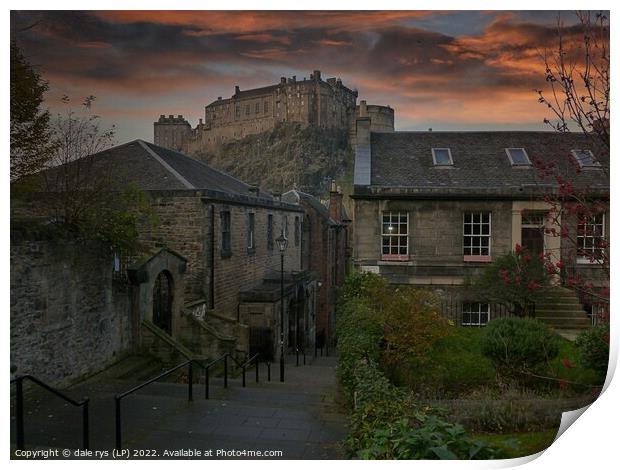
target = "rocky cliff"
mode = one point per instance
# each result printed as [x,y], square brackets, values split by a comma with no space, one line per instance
[288,156]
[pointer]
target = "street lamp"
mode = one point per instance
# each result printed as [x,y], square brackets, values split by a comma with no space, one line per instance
[282,243]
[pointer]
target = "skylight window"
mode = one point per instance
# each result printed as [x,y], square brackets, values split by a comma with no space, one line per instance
[585,158]
[518,157]
[442,157]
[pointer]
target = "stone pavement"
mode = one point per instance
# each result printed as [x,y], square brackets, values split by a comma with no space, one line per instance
[299,418]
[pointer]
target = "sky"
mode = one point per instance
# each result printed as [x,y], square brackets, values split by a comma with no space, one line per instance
[445,70]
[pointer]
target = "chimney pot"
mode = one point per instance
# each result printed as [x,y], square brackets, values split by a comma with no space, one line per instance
[236,89]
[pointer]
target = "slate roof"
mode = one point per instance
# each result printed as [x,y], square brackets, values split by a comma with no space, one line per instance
[404,160]
[294,196]
[153,168]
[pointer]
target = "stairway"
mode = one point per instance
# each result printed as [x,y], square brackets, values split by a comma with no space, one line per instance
[561,310]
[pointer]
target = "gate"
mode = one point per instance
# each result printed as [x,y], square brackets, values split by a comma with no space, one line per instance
[261,342]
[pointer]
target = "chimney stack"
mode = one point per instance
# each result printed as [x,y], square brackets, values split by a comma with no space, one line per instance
[335,203]
[363,109]
[254,189]
[361,172]
[236,89]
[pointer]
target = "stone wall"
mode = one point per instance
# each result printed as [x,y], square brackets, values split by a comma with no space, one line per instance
[181,227]
[69,318]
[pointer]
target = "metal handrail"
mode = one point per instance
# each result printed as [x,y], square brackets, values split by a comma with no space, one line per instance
[243,367]
[208,366]
[18,381]
[118,397]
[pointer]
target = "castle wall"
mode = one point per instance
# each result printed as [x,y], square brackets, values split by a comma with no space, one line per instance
[316,102]
[172,132]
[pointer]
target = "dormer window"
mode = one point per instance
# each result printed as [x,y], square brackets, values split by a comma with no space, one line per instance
[584,158]
[442,157]
[518,157]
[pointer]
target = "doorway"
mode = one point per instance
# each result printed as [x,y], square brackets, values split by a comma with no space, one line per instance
[162,302]
[533,232]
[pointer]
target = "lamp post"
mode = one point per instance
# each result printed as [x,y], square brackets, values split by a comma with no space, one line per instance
[282,243]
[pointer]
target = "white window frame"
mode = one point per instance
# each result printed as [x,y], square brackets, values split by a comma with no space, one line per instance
[527,157]
[449,155]
[479,312]
[395,256]
[478,257]
[595,162]
[581,259]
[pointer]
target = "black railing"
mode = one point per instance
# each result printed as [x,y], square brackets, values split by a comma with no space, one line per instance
[207,369]
[244,366]
[19,405]
[120,396]
[190,379]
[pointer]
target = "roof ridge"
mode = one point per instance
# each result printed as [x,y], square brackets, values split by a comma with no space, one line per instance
[198,161]
[165,164]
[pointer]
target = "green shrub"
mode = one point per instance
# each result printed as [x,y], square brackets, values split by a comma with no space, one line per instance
[593,347]
[519,345]
[430,438]
[359,337]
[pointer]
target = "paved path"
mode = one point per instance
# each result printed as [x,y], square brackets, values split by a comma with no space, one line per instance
[298,418]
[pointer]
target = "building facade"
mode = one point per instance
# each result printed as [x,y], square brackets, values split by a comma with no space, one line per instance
[313,102]
[325,252]
[434,208]
[207,280]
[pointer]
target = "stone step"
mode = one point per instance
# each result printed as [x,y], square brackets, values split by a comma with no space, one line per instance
[558,313]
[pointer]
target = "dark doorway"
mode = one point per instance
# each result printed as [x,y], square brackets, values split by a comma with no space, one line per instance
[533,240]
[162,302]
[532,232]
[261,342]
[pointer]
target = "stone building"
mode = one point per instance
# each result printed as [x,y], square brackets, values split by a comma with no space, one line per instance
[325,252]
[432,208]
[314,102]
[207,283]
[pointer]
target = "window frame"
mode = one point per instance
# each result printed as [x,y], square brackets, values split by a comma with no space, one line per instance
[527,157]
[226,234]
[395,256]
[479,258]
[251,232]
[588,259]
[479,312]
[595,163]
[270,240]
[435,157]
[297,231]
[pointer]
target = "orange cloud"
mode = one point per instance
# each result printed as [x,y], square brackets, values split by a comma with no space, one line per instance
[218,22]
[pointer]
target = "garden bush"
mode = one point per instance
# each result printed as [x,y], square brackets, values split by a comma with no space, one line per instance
[593,347]
[387,424]
[519,346]
[515,279]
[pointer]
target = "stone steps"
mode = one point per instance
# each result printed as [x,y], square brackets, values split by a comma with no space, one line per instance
[561,310]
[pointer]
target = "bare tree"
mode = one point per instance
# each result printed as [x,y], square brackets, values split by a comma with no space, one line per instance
[577,72]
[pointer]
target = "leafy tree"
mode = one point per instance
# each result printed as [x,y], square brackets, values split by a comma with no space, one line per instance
[514,280]
[31,137]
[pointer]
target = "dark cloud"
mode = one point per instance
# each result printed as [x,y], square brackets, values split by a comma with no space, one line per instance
[174,59]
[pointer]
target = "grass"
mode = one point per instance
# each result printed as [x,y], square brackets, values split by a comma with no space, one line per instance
[520,444]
